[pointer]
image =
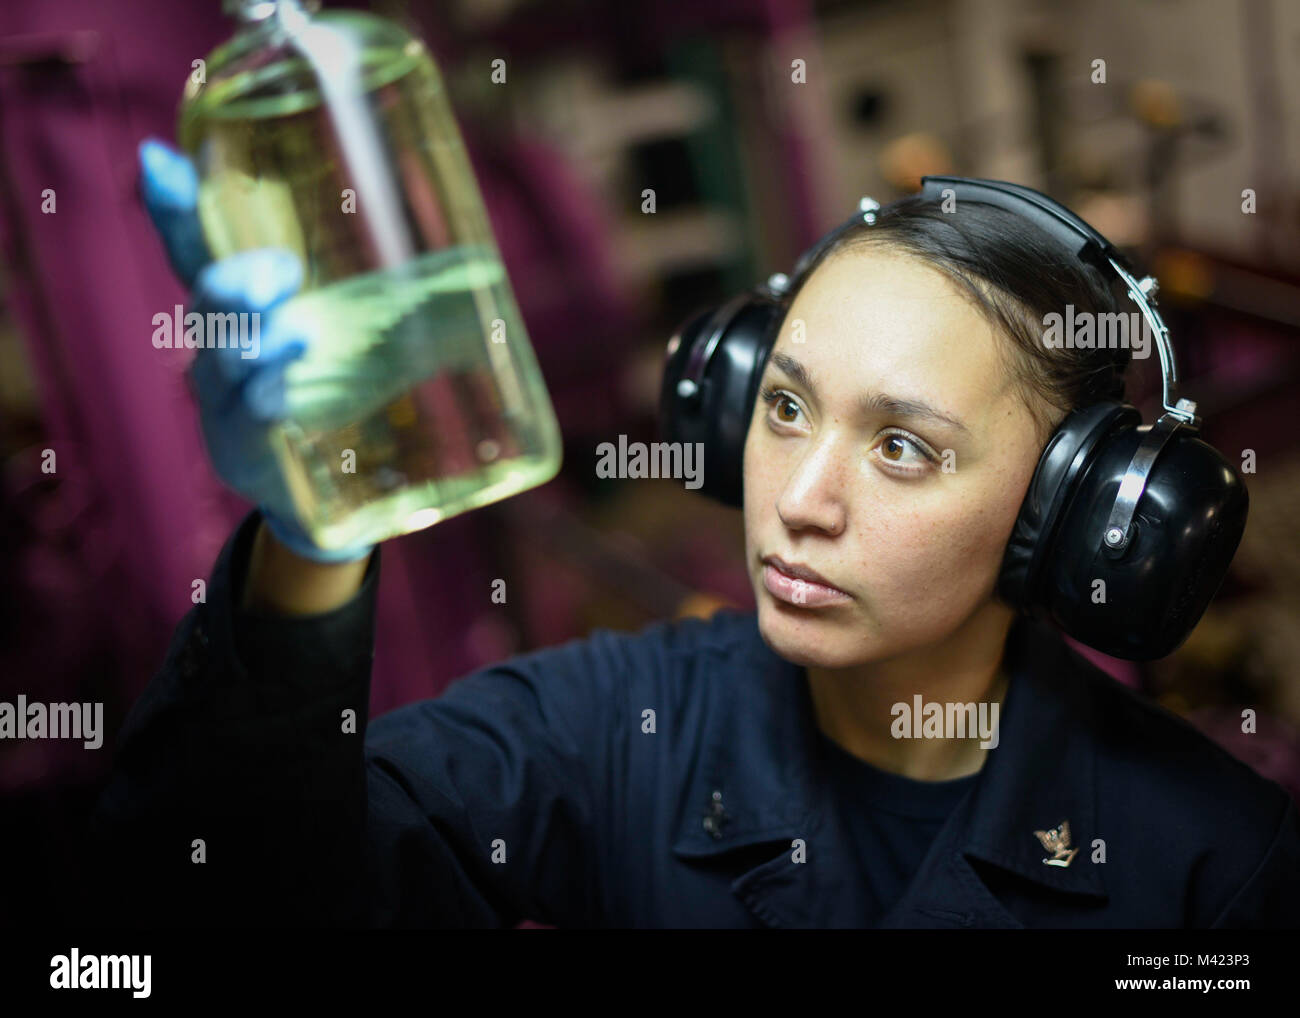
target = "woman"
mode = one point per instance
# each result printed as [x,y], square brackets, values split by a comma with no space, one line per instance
[783,768]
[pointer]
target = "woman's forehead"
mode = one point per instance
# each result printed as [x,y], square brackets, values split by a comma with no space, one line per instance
[872,318]
[877,280]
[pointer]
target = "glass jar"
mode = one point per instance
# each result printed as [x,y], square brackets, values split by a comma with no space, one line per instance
[419,396]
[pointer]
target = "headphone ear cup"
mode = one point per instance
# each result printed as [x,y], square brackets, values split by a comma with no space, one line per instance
[1142,604]
[718,413]
[678,418]
[1064,459]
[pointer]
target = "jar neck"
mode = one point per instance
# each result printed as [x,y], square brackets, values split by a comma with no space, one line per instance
[252,11]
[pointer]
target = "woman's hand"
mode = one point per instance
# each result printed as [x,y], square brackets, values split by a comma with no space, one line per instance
[240,397]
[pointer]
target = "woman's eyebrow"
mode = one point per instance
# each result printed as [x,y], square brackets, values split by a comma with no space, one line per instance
[872,402]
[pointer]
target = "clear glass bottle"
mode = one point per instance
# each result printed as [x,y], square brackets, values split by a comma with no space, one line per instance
[329,133]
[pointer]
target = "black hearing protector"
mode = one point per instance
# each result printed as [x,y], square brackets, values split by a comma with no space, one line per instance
[1126,530]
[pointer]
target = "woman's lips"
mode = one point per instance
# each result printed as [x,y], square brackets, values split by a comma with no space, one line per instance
[803,593]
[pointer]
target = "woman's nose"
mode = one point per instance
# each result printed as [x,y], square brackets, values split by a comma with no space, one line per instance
[813,493]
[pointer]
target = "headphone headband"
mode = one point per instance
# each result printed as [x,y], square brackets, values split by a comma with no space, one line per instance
[1067,228]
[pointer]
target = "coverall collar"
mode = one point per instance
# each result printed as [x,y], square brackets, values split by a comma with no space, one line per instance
[758,782]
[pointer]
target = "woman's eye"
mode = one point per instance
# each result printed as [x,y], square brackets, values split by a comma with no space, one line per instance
[784,408]
[902,451]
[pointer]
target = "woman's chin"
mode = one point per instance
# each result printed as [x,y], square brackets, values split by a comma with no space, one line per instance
[805,637]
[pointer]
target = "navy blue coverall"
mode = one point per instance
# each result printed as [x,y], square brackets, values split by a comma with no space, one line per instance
[531,789]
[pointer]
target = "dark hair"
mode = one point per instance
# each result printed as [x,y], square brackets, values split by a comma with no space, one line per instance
[1016,274]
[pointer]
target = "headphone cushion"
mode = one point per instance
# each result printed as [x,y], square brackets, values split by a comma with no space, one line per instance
[1065,457]
[718,418]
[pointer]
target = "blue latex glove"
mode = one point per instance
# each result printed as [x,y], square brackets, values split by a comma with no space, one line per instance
[239,397]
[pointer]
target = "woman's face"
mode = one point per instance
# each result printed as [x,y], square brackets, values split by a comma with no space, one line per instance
[890,456]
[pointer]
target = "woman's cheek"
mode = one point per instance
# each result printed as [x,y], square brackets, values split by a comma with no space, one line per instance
[943,560]
[765,469]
